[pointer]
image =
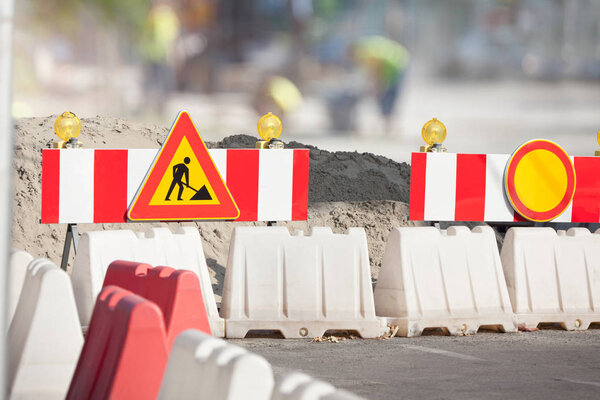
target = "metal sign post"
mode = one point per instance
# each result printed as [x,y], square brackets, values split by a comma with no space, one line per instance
[6,151]
[71,236]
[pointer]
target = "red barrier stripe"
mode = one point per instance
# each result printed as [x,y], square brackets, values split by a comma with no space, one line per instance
[518,217]
[50,185]
[586,201]
[300,185]
[242,181]
[110,185]
[470,187]
[418,166]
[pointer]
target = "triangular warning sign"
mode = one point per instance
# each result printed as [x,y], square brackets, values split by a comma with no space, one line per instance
[183,182]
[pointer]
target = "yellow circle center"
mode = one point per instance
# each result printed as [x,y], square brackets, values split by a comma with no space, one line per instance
[540,180]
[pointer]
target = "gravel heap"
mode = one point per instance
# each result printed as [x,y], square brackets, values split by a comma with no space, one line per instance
[342,175]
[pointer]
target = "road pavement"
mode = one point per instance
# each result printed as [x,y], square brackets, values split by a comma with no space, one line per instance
[548,364]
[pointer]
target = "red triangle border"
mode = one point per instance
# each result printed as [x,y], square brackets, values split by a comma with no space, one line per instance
[141,210]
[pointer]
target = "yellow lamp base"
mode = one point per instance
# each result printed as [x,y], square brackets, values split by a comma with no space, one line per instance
[269,144]
[434,148]
[59,144]
[262,144]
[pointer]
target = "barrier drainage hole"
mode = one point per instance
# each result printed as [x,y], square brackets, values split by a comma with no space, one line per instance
[577,323]
[463,327]
[303,332]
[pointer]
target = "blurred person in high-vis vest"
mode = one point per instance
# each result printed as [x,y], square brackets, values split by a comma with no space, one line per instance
[158,38]
[385,61]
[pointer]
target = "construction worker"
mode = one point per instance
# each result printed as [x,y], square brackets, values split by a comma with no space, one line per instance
[158,38]
[385,60]
[278,95]
[179,171]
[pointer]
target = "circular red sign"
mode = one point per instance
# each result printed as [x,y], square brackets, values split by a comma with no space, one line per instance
[538,168]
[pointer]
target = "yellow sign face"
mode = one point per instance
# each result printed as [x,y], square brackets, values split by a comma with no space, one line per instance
[541,180]
[184,181]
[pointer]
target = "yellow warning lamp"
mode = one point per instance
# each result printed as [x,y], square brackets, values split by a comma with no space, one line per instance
[269,128]
[598,139]
[67,127]
[434,134]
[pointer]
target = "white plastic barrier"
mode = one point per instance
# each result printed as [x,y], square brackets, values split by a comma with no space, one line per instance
[157,247]
[299,386]
[299,285]
[19,260]
[44,338]
[553,276]
[450,279]
[203,367]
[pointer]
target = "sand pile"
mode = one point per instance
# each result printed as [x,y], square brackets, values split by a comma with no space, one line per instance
[346,190]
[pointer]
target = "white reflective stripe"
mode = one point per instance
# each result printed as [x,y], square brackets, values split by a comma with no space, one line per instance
[219,157]
[275,176]
[497,207]
[568,213]
[76,192]
[138,163]
[440,187]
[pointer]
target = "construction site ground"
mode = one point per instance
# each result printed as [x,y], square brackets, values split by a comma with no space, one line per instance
[547,364]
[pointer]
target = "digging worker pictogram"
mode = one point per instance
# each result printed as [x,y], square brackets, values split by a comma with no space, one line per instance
[179,171]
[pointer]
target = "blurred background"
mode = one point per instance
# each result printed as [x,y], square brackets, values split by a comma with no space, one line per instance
[342,74]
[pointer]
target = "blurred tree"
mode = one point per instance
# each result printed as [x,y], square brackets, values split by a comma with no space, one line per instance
[129,15]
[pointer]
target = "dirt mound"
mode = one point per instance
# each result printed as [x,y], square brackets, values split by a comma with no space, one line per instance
[346,189]
[344,176]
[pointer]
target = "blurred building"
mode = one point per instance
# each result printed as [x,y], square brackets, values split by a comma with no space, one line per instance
[93,50]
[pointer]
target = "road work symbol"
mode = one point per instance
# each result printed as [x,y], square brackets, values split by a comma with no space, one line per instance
[183,182]
[179,172]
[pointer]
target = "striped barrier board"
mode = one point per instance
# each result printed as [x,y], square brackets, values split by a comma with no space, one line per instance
[470,187]
[97,185]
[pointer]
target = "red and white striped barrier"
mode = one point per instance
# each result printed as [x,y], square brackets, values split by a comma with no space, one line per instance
[97,186]
[470,187]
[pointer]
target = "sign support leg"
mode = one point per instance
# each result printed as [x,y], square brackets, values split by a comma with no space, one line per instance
[72,235]
[6,173]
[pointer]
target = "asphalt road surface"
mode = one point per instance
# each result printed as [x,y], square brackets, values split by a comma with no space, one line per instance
[548,364]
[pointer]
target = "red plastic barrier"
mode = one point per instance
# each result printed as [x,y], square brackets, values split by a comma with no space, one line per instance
[176,292]
[125,351]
